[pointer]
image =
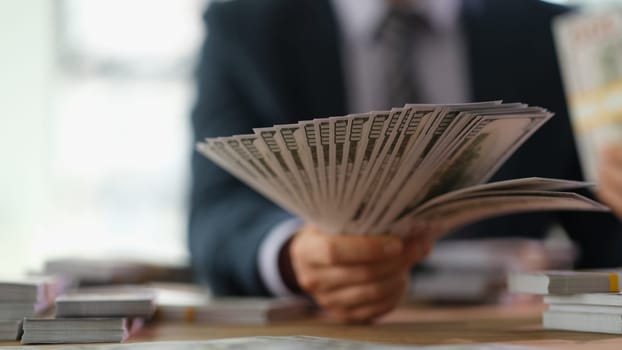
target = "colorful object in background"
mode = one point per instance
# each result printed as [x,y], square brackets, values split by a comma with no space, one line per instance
[589,46]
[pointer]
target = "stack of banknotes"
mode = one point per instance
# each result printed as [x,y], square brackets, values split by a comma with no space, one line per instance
[106,303]
[193,303]
[589,48]
[27,296]
[475,270]
[587,301]
[75,330]
[92,315]
[383,172]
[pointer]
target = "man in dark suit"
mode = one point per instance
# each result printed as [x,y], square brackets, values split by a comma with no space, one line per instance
[269,62]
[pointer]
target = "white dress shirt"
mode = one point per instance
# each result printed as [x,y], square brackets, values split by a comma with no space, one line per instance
[439,60]
[439,66]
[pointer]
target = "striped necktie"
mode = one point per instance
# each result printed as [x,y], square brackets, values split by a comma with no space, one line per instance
[398,34]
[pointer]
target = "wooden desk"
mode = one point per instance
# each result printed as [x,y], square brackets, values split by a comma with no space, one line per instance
[414,325]
[409,325]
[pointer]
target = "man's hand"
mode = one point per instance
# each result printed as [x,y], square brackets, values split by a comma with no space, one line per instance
[610,178]
[354,278]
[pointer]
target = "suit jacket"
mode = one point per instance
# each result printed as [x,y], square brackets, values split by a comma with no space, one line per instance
[268,62]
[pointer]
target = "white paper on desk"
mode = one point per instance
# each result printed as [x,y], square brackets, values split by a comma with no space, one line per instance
[278,343]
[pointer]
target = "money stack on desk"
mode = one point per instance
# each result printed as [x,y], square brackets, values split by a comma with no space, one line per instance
[92,316]
[192,303]
[24,297]
[577,301]
[589,52]
[475,270]
[379,172]
[102,271]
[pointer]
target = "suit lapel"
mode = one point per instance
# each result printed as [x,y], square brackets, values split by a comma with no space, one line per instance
[314,73]
[489,50]
[313,68]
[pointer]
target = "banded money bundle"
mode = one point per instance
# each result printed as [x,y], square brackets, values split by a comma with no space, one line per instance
[584,301]
[380,172]
[592,79]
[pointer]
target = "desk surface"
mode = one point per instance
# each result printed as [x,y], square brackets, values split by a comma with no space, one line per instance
[409,325]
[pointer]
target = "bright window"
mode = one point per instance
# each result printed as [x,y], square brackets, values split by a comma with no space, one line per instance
[111,147]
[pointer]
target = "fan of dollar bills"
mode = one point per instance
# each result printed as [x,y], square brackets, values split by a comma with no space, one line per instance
[380,172]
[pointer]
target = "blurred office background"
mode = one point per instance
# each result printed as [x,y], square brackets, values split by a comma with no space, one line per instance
[94,104]
[95,142]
